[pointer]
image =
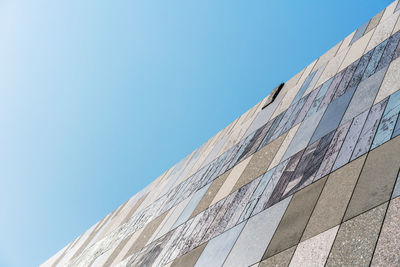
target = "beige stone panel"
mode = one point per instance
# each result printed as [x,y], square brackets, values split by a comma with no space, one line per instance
[374,22]
[231,180]
[73,249]
[102,259]
[121,254]
[391,82]
[210,194]
[307,72]
[333,66]
[357,50]
[284,146]
[327,56]
[153,237]
[259,163]
[202,156]
[286,101]
[53,258]
[389,10]
[346,43]
[397,26]
[383,31]
[294,80]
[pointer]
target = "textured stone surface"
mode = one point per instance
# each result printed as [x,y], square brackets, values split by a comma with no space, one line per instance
[190,258]
[218,248]
[369,129]
[259,163]
[256,235]
[334,198]
[396,191]
[281,259]
[350,142]
[383,162]
[391,82]
[388,247]
[364,95]
[314,251]
[295,219]
[356,239]
[374,21]
[382,31]
[205,202]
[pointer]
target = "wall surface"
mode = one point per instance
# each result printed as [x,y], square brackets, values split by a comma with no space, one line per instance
[312,179]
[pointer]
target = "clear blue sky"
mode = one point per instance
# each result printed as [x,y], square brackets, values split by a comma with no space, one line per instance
[98,98]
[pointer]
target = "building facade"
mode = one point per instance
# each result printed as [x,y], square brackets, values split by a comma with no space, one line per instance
[308,177]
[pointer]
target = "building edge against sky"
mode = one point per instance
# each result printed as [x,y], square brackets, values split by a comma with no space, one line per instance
[233,201]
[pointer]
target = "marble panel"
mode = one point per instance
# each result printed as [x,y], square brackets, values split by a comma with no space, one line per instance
[389,51]
[360,32]
[368,132]
[217,249]
[333,151]
[391,82]
[359,73]
[281,259]
[351,140]
[318,99]
[356,50]
[256,235]
[383,31]
[364,95]
[344,83]
[376,57]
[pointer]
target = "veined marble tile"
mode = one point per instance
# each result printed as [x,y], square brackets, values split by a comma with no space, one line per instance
[283,147]
[360,32]
[391,82]
[368,132]
[333,65]
[318,99]
[332,151]
[344,83]
[351,139]
[376,57]
[389,51]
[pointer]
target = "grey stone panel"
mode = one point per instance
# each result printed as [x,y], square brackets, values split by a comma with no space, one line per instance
[248,210]
[359,73]
[318,99]
[388,247]
[396,131]
[309,165]
[389,51]
[190,258]
[276,175]
[364,95]
[310,100]
[218,248]
[304,87]
[333,150]
[256,235]
[281,259]
[388,121]
[360,32]
[268,137]
[377,178]
[294,114]
[285,119]
[344,83]
[396,191]
[351,140]
[369,129]
[376,57]
[295,219]
[356,239]
[332,89]
[285,178]
[334,199]
[303,134]
[333,115]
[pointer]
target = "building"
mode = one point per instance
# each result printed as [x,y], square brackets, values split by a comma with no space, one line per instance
[307,177]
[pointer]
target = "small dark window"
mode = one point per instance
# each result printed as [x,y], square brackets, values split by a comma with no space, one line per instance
[273,95]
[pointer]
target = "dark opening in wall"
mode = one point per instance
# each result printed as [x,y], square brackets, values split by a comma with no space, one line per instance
[273,95]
